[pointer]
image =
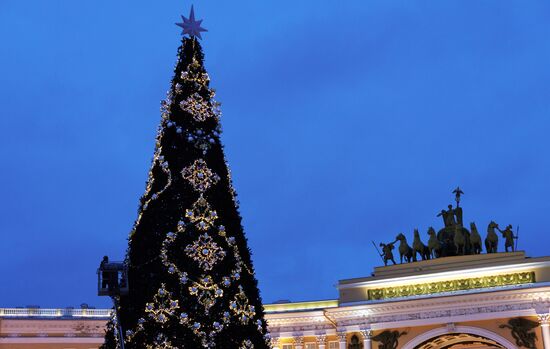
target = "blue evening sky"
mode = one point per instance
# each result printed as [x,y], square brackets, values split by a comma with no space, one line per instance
[344,122]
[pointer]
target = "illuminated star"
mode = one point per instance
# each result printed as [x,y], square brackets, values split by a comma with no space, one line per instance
[191,26]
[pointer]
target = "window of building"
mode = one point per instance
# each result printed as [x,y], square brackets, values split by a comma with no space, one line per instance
[310,346]
[333,345]
[287,346]
[354,343]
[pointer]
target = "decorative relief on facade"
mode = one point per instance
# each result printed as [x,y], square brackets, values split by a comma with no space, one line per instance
[451,285]
[342,335]
[522,331]
[321,339]
[298,339]
[367,333]
[449,313]
[541,305]
[544,319]
[388,339]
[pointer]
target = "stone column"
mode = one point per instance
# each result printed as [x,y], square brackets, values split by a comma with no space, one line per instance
[342,335]
[275,342]
[321,340]
[367,335]
[298,341]
[544,320]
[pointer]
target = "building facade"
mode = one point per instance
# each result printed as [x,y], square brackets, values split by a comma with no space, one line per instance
[498,300]
[52,328]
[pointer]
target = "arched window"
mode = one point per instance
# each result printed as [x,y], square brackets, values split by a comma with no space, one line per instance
[355,343]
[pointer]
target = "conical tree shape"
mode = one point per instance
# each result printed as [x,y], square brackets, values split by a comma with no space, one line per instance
[191,279]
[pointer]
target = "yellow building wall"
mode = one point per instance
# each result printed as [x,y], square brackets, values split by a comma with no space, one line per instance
[51,334]
[490,325]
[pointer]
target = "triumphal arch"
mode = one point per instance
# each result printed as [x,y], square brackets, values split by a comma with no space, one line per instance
[455,292]
[497,300]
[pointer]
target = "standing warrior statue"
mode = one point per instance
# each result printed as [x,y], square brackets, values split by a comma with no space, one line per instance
[508,234]
[387,253]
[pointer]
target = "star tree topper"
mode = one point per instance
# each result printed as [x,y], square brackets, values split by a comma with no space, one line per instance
[191,26]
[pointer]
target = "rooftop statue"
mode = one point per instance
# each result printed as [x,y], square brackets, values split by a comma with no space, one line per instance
[387,253]
[491,241]
[433,244]
[454,239]
[509,237]
[459,240]
[419,247]
[475,239]
[404,249]
[458,192]
[448,216]
[451,216]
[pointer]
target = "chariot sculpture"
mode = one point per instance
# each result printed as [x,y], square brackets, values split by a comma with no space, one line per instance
[454,239]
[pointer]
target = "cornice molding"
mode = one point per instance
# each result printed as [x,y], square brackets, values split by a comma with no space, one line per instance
[416,312]
[78,327]
[453,274]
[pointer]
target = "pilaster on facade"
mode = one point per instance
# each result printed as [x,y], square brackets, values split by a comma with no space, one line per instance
[321,340]
[342,335]
[298,339]
[366,333]
[544,321]
[367,337]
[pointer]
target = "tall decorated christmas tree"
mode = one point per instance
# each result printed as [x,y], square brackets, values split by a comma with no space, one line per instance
[191,280]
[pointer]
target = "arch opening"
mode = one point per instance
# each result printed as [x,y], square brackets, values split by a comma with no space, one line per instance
[459,337]
[459,341]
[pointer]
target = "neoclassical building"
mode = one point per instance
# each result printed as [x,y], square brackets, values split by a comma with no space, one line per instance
[498,300]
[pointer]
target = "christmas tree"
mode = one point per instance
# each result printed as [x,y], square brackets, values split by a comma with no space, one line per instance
[190,275]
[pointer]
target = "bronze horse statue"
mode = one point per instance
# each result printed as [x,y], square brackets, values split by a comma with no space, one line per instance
[459,239]
[404,249]
[419,247]
[491,241]
[434,246]
[475,239]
